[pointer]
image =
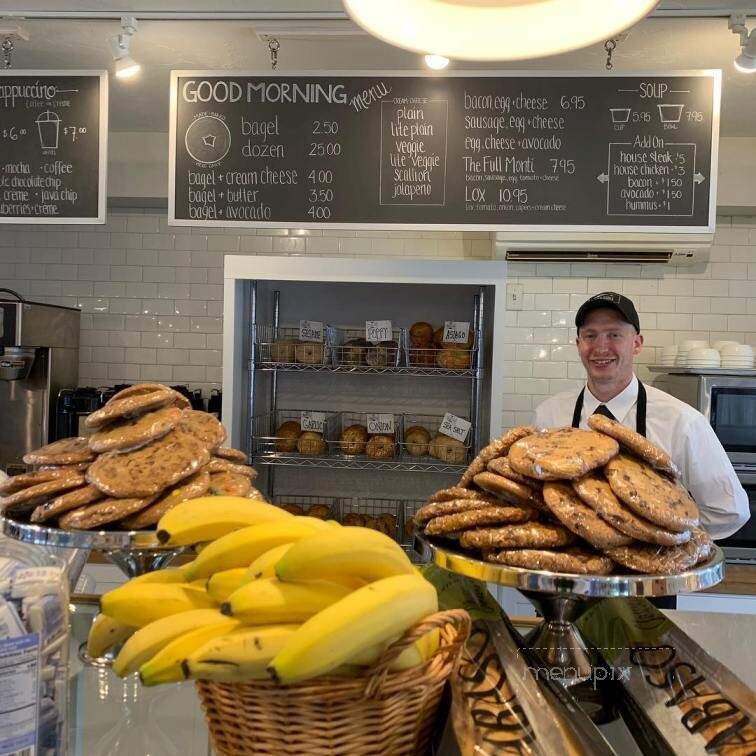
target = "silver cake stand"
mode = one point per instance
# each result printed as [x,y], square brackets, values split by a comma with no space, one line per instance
[561,598]
[134,552]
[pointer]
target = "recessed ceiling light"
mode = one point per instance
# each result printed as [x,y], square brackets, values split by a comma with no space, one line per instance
[436,62]
[125,65]
[496,29]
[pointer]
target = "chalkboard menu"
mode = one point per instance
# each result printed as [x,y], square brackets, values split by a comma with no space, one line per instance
[458,152]
[53,146]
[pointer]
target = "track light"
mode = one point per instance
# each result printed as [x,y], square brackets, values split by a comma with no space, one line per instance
[436,62]
[746,61]
[496,29]
[125,65]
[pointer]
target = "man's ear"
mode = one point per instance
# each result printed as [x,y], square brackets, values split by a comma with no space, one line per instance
[637,343]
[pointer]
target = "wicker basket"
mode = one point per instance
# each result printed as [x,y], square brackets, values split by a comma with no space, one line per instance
[387,713]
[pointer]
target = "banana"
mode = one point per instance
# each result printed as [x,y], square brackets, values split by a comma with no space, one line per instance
[148,640]
[268,601]
[167,664]
[353,551]
[265,565]
[412,656]
[209,517]
[366,617]
[240,655]
[140,604]
[105,633]
[167,575]
[222,584]
[240,548]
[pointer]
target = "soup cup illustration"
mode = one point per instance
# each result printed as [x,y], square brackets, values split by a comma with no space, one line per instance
[670,113]
[48,124]
[620,115]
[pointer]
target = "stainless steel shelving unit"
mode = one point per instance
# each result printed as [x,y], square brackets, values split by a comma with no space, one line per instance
[345,463]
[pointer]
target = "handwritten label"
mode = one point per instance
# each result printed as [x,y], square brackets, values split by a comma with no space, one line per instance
[380,424]
[377,331]
[312,421]
[454,427]
[456,331]
[310,330]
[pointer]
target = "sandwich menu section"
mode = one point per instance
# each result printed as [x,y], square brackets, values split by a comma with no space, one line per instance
[53,132]
[487,152]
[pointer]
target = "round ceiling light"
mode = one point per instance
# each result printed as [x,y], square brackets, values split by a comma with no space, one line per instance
[496,29]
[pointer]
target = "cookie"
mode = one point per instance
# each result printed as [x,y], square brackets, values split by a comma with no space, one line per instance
[25,480]
[453,506]
[255,494]
[574,560]
[204,427]
[76,467]
[127,434]
[496,515]
[651,494]
[79,497]
[67,451]
[102,513]
[701,544]
[233,455]
[130,406]
[522,536]
[151,469]
[639,445]
[561,453]
[455,492]
[216,465]
[229,484]
[190,488]
[497,448]
[27,499]
[655,560]
[597,494]
[179,400]
[578,517]
[501,466]
[509,490]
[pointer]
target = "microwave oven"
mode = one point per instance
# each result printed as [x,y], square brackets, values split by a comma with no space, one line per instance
[728,402]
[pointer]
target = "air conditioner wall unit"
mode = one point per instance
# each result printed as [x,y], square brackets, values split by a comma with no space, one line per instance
[672,248]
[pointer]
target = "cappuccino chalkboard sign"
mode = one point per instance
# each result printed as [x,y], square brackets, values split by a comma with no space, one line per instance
[486,152]
[53,146]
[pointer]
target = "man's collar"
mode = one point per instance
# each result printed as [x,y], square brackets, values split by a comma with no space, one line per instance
[619,406]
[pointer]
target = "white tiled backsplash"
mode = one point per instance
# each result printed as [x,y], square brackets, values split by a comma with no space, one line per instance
[151,295]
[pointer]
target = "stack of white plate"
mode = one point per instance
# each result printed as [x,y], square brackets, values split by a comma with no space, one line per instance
[702,357]
[685,347]
[720,345]
[738,356]
[669,355]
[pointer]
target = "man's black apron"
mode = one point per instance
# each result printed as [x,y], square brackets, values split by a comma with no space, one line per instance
[664,602]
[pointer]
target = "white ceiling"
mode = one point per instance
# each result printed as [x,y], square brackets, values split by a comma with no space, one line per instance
[658,44]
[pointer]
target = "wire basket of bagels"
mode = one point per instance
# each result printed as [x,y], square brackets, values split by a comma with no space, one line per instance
[147,451]
[567,500]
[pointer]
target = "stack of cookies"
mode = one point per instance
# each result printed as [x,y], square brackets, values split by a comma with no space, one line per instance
[574,501]
[148,451]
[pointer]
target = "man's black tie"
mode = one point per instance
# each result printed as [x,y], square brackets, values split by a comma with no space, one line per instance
[602,409]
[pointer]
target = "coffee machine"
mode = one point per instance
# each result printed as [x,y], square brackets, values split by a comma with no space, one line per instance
[39,355]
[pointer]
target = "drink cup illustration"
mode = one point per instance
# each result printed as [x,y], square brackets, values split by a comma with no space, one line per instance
[48,124]
[670,113]
[620,115]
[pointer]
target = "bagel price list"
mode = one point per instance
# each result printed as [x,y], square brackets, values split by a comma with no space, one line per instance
[486,152]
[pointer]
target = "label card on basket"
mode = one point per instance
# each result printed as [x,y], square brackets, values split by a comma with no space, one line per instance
[380,424]
[454,427]
[310,330]
[456,331]
[377,331]
[312,421]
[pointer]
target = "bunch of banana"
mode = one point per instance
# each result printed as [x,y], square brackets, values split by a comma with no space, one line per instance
[270,595]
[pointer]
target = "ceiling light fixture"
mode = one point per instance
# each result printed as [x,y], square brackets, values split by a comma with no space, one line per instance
[125,65]
[496,29]
[436,62]
[746,60]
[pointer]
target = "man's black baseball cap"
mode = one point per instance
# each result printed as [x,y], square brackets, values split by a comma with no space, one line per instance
[623,305]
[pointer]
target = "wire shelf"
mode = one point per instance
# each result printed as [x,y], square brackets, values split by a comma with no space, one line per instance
[384,515]
[431,371]
[356,463]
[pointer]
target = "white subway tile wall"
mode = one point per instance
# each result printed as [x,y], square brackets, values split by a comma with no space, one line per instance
[151,295]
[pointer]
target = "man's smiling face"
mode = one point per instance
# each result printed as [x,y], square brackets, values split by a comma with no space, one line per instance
[607,344]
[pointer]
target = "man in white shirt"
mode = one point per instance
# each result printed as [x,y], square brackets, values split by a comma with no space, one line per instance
[607,340]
